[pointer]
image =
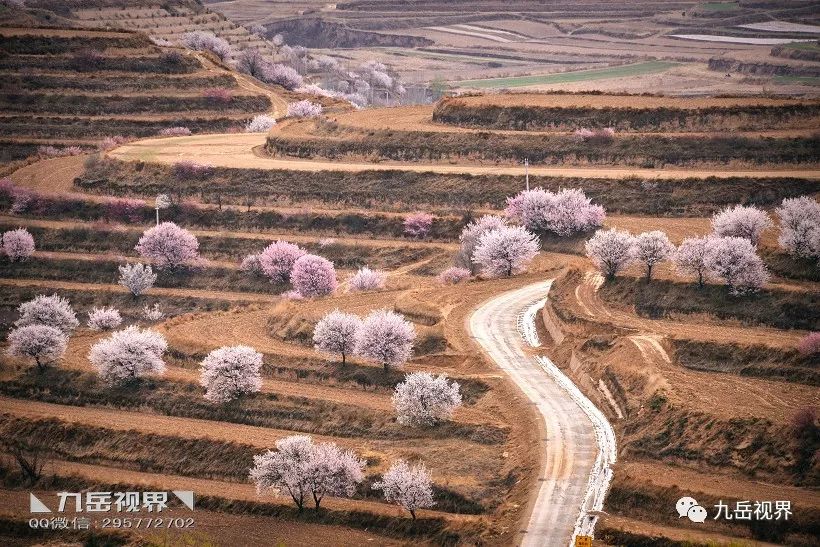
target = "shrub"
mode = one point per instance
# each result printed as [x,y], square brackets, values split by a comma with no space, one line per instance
[124,209]
[190,170]
[104,318]
[418,225]
[55,152]
[366,279]
[109,143]
[128,354]
[44,344]
[18,244]
[52,311]
[505,251]
[218,95]
[137,278]
[424,399]
[174,132]
[313,276]
[564,213]
[810,344]
[251,265]
[277,260]
[282,75]
[169,246]
[260,124]
[152,313]
[453,275]
[596,136]
[229,372]
[304,109]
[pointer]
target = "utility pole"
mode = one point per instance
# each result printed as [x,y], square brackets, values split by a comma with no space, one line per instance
[527,171]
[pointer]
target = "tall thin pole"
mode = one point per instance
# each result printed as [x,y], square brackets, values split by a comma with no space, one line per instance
[527,171]
[158,215]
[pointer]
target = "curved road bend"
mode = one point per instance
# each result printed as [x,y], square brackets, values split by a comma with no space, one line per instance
[570,448]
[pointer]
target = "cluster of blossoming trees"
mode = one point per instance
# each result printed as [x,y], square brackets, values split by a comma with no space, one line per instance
[728,253]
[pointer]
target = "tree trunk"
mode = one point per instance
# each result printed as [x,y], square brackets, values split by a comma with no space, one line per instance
[343,358]
[649,272]
[700,279]
[385,367]
[413,513]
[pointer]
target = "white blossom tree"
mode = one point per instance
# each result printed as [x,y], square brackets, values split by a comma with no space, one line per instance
[800,227]
[505,251]
[229,372]
[366,279]
[128,354]
[336,333]
[424,399]
[18,244]
[44,344]
[385,337]
[53,311]
[610,250]
[408,487]
[168,246]
[690,258]
[470,236]
[652,248]
[277,260]
[735,260]
[137,278]
[313,276]
[105,318]
[741,221]
[304,109]
[299,468]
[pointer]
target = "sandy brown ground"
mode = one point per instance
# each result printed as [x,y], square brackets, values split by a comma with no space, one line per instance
[236,150]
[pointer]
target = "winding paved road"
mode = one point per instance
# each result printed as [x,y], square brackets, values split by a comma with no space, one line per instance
[571,447]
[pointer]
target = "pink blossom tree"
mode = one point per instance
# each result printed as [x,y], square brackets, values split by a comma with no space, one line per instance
[505,251]
[470,235]
[652,248]
[735,260]
[453,275]
[45,345]
[313,276]
[408,487]
[168,246]
[741,221]
[385,337]
[251,265]
[564,213]
[418,225]
[137,278]
[282,75]
[299,468]
[336,333]
[610,251]
[128,354]
[230,372]
[424,399]
[304,109]
[800,227]
[277,260]
[52,311]
[810,344]
[105,318]
[18,244]
[690,258]
[366,279]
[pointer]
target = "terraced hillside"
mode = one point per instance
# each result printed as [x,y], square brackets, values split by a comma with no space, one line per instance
[77,87]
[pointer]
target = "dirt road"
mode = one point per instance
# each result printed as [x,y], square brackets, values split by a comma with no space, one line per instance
[237,151]
[570,446]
